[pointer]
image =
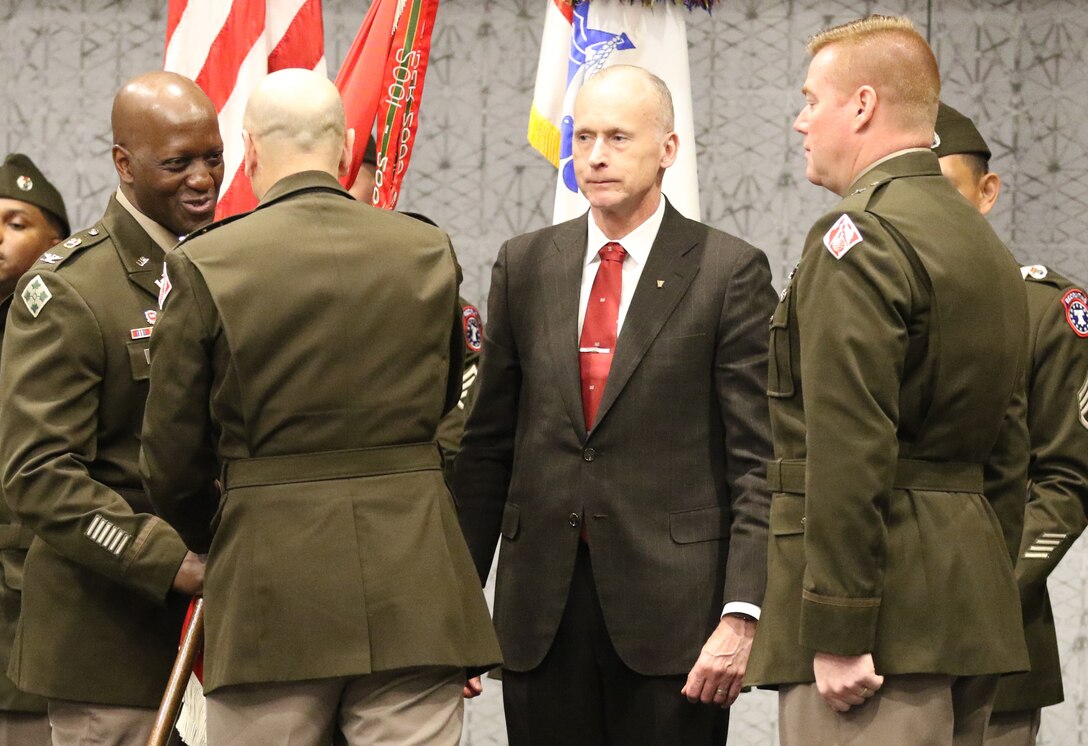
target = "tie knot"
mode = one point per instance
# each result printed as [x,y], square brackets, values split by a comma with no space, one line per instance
[612,252]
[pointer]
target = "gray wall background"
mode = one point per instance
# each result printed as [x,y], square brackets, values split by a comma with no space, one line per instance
[1018,66]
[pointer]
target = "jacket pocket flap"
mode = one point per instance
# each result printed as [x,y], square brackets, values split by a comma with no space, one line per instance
[787,515]
[511,519]
[701,524]
[139,357]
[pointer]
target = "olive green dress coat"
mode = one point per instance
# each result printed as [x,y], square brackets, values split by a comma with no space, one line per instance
[99,623]
[305,355]
[1058,473]
[14,541]
[896,383]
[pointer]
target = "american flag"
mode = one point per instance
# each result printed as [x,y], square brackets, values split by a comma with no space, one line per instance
[227,47]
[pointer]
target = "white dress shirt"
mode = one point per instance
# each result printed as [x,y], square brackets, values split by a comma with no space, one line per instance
[637,244]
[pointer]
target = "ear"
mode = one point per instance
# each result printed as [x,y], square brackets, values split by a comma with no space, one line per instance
[989,187]
[122,161]
[346,152]
[865,101]
[672,146]
[249,154]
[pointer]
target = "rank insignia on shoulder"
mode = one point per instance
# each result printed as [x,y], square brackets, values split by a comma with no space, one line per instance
[72,242]
[842,237]
[474,328]
[50,258]
[35,295]
[1034,271]
[1076,311]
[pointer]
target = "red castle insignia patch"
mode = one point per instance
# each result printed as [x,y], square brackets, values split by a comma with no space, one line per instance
[842,236]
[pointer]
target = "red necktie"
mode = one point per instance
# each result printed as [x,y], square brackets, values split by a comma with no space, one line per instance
[598,342]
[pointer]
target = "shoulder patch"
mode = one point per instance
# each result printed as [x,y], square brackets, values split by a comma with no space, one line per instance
[1076,311]
[842,236]
[474,328]
[35,295]
[1034,271]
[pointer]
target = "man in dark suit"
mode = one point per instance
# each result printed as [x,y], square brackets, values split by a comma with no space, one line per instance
[340,594]
[617,445]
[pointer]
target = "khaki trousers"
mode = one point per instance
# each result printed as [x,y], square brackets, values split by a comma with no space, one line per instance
[84,724]
[24,728]
[1019,728]
[919,709]
[407,707]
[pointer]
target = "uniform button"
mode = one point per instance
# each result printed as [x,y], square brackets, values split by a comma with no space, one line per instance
[802,521]
[574,520]
[589,454]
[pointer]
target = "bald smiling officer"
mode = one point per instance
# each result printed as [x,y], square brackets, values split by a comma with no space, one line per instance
[106,580]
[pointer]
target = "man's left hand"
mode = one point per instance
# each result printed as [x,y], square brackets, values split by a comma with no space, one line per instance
[718,674]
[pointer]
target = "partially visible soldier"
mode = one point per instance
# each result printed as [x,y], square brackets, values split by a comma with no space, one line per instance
[1057,509]
[106,580]
[32,219]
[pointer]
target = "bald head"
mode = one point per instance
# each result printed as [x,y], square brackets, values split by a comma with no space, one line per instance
[167,150]
[294,122]
[640,83]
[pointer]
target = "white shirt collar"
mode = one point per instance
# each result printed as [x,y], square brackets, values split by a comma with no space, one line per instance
[637,243]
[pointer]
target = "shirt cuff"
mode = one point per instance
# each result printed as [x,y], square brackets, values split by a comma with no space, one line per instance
[740,607]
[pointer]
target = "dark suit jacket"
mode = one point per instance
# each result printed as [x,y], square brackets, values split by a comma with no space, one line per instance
[306,353]
[670,478]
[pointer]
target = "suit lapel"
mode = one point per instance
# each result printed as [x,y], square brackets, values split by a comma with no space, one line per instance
[562,270]
[141,256]
[674,261]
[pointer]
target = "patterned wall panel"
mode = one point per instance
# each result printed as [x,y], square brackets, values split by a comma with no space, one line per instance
[1018,66]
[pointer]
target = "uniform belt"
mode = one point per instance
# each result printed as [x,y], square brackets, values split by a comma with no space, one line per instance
[788,475]
[14,536]
[316,467]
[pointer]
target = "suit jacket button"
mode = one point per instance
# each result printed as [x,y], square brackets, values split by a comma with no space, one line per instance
[575,519]
[589,454]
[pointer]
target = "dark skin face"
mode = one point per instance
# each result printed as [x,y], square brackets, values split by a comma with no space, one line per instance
[168,152]
[25,234]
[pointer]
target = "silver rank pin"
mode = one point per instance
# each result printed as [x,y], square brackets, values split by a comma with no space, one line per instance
[50,258]
[859,190]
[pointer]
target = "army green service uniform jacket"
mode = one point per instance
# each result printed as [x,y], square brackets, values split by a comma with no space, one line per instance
[1058,473]
[896,374]
[14,541]
[99,622]
[305,355]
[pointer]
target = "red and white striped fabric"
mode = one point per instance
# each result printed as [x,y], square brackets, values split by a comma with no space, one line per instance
[227,47]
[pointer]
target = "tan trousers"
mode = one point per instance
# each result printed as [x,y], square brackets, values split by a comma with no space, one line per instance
[1019,728]
[84,724]
[24,728]
[922,710]
[407,707]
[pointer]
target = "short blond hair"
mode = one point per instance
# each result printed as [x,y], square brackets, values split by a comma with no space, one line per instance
[888,53]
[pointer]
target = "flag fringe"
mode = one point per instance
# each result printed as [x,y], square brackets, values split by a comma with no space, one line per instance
[706,5]
[544,136]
